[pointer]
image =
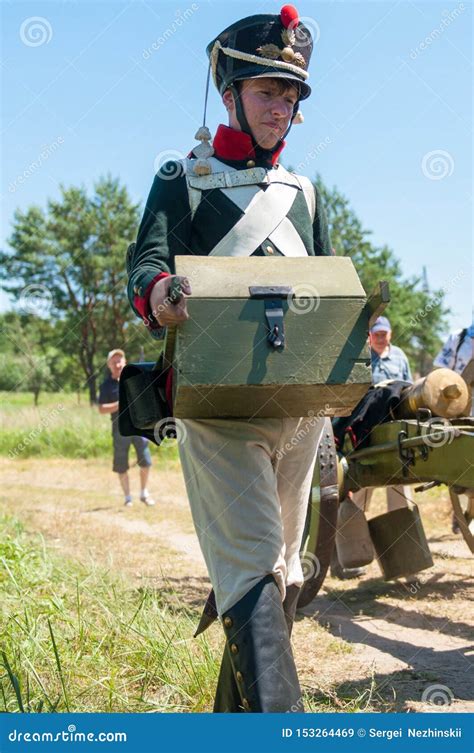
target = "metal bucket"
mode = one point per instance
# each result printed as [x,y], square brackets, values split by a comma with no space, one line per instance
[400,543]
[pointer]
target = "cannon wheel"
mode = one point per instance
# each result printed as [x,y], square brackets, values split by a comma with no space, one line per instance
[321,519]
[463,518]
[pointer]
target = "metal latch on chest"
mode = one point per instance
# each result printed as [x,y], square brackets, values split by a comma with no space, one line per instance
[273,296]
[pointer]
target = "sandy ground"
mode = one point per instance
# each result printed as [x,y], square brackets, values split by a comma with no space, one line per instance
[364,644]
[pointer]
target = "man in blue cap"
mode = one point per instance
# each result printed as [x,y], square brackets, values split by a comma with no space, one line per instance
[388,361]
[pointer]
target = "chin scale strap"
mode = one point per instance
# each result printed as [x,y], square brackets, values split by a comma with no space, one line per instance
[205,150]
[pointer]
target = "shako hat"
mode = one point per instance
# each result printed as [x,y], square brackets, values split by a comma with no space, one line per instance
[264,45]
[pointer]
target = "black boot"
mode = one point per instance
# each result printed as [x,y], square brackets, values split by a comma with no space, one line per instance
[290,604]
[228,698]
[258,651]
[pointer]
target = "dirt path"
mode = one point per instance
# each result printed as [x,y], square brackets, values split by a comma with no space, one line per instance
[364,644]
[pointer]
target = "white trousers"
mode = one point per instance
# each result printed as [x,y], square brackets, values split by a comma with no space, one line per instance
[248,483]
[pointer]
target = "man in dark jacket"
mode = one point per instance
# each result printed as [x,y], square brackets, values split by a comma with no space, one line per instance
[108,403]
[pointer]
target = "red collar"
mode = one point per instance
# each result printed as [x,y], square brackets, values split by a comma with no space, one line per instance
[237,145]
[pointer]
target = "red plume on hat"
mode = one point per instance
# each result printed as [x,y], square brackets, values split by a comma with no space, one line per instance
[289,16]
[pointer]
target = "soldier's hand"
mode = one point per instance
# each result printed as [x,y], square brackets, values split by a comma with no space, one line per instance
[162,304]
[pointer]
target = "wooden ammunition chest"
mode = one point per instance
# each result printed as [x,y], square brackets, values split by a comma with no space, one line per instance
[224,364]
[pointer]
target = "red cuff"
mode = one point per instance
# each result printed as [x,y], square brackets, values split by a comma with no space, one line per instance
[142,303]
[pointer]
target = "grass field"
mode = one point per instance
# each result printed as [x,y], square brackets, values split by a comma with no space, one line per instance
[59,427]
[81,637]
[99,602]
[77,638]
[80,559]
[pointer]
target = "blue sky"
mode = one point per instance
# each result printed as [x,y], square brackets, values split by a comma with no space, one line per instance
[97,87]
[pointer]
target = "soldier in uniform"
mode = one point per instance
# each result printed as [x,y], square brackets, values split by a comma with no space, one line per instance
[248,481]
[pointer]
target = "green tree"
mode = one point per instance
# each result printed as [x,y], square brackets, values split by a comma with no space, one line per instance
[70,260]
[417,315]
[38,374]
[11,373]
[27,354]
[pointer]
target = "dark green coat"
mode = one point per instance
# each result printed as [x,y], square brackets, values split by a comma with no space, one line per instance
[168,229]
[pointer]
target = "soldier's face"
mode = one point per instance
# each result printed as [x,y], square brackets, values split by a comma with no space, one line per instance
[268,110]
